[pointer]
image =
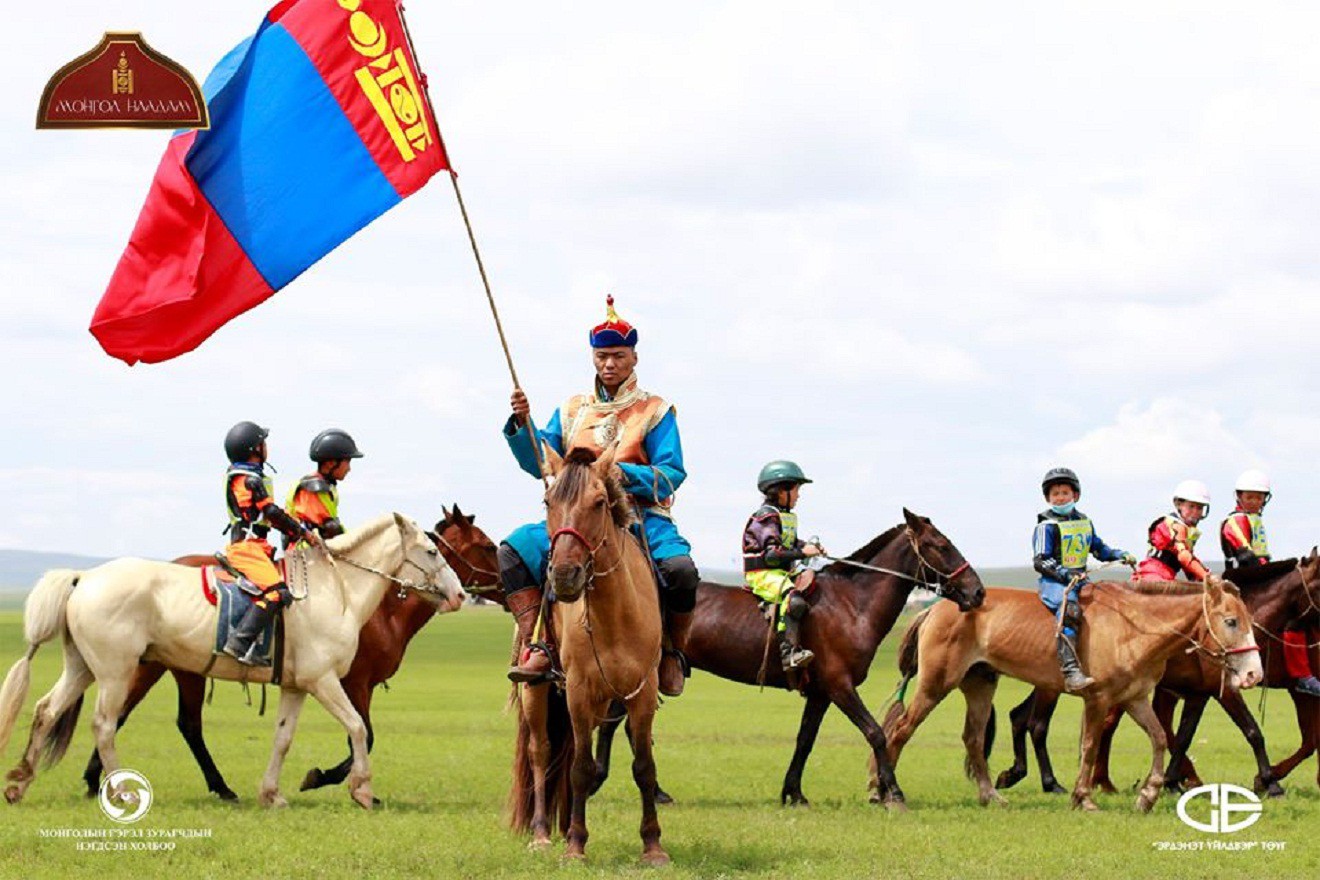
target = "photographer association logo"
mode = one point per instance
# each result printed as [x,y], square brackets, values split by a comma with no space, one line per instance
[1227,802]
[122,83]
[125,796]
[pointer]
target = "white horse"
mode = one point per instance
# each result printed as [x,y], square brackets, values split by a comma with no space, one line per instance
[128,610]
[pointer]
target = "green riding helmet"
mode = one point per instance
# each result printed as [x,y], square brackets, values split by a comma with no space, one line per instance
[777,472]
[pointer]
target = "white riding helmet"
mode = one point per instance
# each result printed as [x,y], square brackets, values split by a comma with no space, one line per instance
[1253,481]
[1194,491]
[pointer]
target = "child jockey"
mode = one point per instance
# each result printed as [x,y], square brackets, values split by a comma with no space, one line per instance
[1172,538]
[314,501]
[773,554]
[1063,540]
[1242,537]
[252,512]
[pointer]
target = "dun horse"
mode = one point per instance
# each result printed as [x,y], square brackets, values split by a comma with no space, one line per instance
[381,646]
[607,623]
[853,607]
[114,616]
[1129,636]
[1275,594]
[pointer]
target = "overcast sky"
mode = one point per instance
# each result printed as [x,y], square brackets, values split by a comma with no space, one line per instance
[927,250]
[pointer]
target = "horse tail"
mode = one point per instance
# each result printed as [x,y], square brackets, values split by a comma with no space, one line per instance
[43,620]
[907,665]
[522,794]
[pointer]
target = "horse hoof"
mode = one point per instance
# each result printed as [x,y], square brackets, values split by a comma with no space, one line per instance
[538,844]
[1085,804]
[874,798]
[226,794]
[13,794]
[794,799]
[311,780]
[1053,788]
[1274,790]
[663,797]
[575,856]
[655,859]
[364,799]
[272,800]
[896,805]
[1104,786]
[993,798]
[1009,778]
[1144,803]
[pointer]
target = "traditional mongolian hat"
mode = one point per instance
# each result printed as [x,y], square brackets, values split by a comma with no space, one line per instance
[615,331]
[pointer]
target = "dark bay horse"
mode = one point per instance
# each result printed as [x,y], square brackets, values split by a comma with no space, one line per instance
[1131,633]
[852,609]
[607,624]
[381,646]
[1277,593]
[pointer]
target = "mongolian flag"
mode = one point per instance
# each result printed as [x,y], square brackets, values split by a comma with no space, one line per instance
[319,124]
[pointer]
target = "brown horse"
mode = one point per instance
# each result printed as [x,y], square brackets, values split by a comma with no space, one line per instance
[606,619]
[853,607]
[1277,593]
[1130,634]
[381,646]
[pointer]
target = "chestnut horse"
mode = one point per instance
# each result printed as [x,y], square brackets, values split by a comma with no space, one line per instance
[853,607]
[606,620]
[381,646]
[1276,593]
[1130,634]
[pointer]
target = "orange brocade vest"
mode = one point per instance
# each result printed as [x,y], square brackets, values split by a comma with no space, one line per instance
[592,423]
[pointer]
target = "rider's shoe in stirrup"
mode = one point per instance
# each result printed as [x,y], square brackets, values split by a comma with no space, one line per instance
[799,658]
[1309,685]
[535,666]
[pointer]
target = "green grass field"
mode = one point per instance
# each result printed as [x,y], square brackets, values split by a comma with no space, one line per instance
[441,765]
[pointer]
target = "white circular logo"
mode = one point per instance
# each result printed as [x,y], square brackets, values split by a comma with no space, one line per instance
[1225,802]
[125,796]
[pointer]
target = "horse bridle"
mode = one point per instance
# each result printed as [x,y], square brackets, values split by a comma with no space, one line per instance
[430,583]
[939,588]
[474,570]
[591,552]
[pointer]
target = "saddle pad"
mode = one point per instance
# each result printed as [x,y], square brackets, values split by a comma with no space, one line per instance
[232,604]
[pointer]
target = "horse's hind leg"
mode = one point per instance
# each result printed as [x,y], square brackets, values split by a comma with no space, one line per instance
[105,721]
[1304,706]
[813,713]
[661,796]
[146,677]
[1104,742]
[1018,717]
[644,775]
[1038,725]
[605,742]
[55,714]
[979,691]
[192,696]
[1143,714]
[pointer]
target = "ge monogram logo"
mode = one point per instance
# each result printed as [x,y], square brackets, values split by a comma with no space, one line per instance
[125,796]
[1225,800]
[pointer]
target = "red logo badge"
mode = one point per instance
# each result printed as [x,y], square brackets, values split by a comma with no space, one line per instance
[122,83]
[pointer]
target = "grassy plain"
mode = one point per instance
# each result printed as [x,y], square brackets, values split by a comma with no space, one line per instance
[441,766]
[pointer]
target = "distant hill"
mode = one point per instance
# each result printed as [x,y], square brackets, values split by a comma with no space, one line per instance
[19,569]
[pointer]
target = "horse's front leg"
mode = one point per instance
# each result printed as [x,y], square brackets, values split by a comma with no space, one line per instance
[291,702]
[1093,719]
[1143,714]
[640,717]
[330,694]
[584,714]
[817,704]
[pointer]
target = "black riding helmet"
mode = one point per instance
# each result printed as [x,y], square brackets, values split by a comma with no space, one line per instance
[333,444]
[243,439]
[1060,475]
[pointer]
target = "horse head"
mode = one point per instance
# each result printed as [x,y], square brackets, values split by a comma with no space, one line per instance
[586,508]
[439,583]
[954,576]
[469,550]
[1226,634]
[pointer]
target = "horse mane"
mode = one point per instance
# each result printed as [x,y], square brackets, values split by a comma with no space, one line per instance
[351,540]
[575,478]
[1257,574]
[1161,588]
[864,553]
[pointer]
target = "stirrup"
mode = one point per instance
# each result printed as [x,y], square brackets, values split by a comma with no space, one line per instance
[525,675]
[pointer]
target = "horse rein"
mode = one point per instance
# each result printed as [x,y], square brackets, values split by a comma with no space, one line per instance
[428,585]
[939,588]
[1310,599]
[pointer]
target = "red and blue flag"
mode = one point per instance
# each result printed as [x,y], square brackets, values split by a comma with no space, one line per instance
[319,124]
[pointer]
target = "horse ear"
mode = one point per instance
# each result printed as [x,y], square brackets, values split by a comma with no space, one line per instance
[913,521]
[457,515]
[1214,586]
[553,462]
[443,522]
[606,460]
